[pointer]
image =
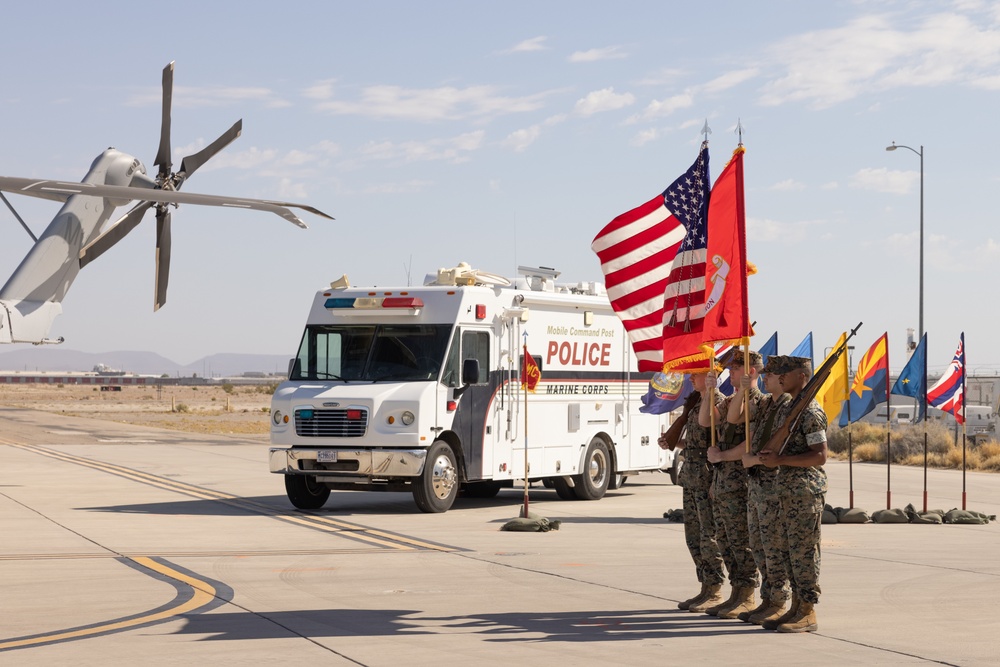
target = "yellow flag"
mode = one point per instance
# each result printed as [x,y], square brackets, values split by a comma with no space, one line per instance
[833,393]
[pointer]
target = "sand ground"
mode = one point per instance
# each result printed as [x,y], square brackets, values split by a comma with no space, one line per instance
[197,409]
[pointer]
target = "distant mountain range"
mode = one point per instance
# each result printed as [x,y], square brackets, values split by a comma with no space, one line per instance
[49,358]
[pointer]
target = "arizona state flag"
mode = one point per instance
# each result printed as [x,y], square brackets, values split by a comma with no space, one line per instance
[871,383]
[530,373]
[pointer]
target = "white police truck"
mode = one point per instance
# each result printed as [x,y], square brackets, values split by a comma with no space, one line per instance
[418,389]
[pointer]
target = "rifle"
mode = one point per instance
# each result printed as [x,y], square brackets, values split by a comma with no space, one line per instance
[673,434]
[804,397]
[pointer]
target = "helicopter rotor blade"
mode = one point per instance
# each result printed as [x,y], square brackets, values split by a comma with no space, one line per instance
[162,255]
[163,153]
[113,234]
[191,163]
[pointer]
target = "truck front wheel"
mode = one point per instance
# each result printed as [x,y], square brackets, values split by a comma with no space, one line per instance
[305,492]
[436,488]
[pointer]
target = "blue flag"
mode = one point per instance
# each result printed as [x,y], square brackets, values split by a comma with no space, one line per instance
[913,380]
[805,349]
[768,349]
[667,392]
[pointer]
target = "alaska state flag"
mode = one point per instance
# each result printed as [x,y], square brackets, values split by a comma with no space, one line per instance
[871,382]
[667,392]
[913,380]
[805,349]
[768,349]
[948,393]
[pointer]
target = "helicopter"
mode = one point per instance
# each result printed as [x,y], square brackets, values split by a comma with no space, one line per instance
[32,297]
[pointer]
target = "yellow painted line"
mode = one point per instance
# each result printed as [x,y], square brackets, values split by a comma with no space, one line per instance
[327,524]
[203,594]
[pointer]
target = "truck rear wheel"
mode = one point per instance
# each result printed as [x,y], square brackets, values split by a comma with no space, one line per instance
[305,492]
[563,489]
[436,488]
[593,482]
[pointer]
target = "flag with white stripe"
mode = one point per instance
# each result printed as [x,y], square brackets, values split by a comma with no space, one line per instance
[636,250]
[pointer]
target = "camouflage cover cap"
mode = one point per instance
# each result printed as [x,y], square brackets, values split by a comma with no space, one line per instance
[788,364]
[734,357]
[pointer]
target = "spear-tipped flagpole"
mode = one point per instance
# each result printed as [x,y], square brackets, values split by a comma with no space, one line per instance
[524,366]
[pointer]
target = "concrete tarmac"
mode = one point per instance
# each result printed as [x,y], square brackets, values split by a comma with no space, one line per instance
[125,545]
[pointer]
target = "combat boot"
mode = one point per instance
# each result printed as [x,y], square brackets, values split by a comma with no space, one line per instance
[772,624]
[745,615]
[769,610]
[697,598]
[715,609]
[803,621]
[744,602]
[711,599]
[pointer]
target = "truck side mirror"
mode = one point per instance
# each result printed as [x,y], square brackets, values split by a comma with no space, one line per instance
[470,371]
[294,367]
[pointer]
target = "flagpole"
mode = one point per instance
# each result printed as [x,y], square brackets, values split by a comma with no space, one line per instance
[923,408]
[746,394]
[888,432]
[526,389]
[964,420]
[850,458]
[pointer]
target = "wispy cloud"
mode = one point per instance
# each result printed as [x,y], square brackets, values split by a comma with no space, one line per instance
[433,104]
[404,187]
[454,149]
[519,140]
[528,45]
[788,185]
[321,90]
[885,180]
[605,99]
[883,51]
[594,55]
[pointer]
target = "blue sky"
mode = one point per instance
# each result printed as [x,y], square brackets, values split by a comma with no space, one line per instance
[510,133]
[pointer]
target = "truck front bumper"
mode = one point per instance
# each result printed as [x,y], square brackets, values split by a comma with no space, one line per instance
[345,464]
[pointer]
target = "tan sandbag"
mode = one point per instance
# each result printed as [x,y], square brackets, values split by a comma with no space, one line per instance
[965,516]
[829,516]
[894,515]
[926,517]
[852,515]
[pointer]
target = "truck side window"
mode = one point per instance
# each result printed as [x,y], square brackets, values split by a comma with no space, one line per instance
[452,369]
[476,345]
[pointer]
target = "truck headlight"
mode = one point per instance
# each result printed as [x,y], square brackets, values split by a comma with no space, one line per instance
[407,417]
[276,417]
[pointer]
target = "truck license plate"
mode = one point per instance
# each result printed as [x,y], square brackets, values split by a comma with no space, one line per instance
[327,456]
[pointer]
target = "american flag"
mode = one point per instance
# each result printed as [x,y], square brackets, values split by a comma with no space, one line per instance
[948,393]
[636,250]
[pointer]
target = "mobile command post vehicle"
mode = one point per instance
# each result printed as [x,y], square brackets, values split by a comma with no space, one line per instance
[418,388]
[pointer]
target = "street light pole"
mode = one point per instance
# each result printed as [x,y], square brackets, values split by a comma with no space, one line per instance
[920,153]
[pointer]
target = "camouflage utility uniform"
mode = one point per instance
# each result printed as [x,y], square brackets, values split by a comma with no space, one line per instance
[699,521]
[803,493]
[764,518]
[729,502]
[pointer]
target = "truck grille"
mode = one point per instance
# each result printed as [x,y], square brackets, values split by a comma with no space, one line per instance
[330,423]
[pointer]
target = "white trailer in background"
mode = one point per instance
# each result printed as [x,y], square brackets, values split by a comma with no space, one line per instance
[418,389]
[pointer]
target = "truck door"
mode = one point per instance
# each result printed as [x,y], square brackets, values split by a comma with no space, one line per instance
[472,421]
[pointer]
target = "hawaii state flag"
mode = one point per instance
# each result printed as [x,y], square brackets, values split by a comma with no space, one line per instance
[636,250]
[913,380]
[705,300]
[948,393]
[871,382]
[530,373]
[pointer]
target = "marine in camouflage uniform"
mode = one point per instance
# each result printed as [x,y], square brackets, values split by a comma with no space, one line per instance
[729,490]
[803,485]
[699,521]
[767,530]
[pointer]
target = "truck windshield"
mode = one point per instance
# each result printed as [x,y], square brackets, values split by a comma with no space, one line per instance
[396,352]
